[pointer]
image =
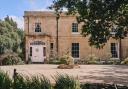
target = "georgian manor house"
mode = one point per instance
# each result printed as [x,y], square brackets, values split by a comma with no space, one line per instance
[41,39]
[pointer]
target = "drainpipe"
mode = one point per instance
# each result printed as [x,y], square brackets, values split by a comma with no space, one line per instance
[120,50]
[28,25]
[57,40]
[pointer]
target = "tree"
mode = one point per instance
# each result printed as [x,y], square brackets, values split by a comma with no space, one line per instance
[11,37]
[99,18]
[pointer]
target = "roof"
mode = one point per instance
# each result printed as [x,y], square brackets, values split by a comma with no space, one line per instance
[43,13]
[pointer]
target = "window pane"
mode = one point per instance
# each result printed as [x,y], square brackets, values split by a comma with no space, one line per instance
[51,46]
[44,49]
[74,27]
[30,51]
[37,27]
[75,50]
[114,50]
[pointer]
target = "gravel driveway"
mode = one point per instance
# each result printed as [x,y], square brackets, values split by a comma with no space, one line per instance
[86,73]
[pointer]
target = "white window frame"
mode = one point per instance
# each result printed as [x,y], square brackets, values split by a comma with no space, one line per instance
[117,48]
[75,28]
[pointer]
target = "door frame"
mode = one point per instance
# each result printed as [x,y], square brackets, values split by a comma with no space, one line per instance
[37,43]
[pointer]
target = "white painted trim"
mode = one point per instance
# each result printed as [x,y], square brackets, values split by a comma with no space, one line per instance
[118,53]
[76,58]
[75,33]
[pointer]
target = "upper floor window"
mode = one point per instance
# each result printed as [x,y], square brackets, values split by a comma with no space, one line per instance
[37,27]
[74,27]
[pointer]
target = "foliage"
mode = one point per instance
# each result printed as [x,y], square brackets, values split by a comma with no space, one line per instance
[5,81]
[34,82]
[125,61]
[92,59]
[99,17]
[66,82]
[54,61]
[19,82]
[11,59]
[101,86]
[11,37]
[112,61]
[41,82]
[66,59]
[62,82]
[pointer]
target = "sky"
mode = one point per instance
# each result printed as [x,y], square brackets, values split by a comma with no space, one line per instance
[16,8]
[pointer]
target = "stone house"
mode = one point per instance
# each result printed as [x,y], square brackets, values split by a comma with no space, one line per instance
[41,39]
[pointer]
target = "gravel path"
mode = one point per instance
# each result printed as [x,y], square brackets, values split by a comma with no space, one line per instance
[117,74]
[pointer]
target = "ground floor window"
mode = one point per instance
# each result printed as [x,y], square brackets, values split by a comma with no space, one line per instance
[75,50]
[114,50]
[51,46]
[30,51]
[44,51]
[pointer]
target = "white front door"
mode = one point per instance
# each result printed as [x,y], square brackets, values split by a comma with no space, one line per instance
[37,53]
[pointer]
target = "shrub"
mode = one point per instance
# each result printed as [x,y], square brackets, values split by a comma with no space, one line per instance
[54,62]
[91,59]
[66,59]
[34,82]
[19,82]
[125,61]
[45,83]
[66,82]
[5,81]
[11,59]
[38,83]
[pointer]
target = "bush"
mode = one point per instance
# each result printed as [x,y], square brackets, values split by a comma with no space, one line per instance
[125,61]
[34,82]
[11,59]
[19,82]
[5,81]
[66,82]
[62,82]
[112,61]
[66,59]
[39,83]
[102,86]
[54,62]
[91,59]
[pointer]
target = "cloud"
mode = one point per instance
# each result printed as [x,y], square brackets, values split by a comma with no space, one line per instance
[19,20]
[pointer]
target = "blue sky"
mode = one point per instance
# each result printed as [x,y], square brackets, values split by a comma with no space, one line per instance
[16,8]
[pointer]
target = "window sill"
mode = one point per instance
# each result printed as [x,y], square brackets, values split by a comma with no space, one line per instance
[115,58]
[75,33]
[76,58]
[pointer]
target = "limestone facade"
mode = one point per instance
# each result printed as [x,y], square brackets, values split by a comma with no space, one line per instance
[66,37]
